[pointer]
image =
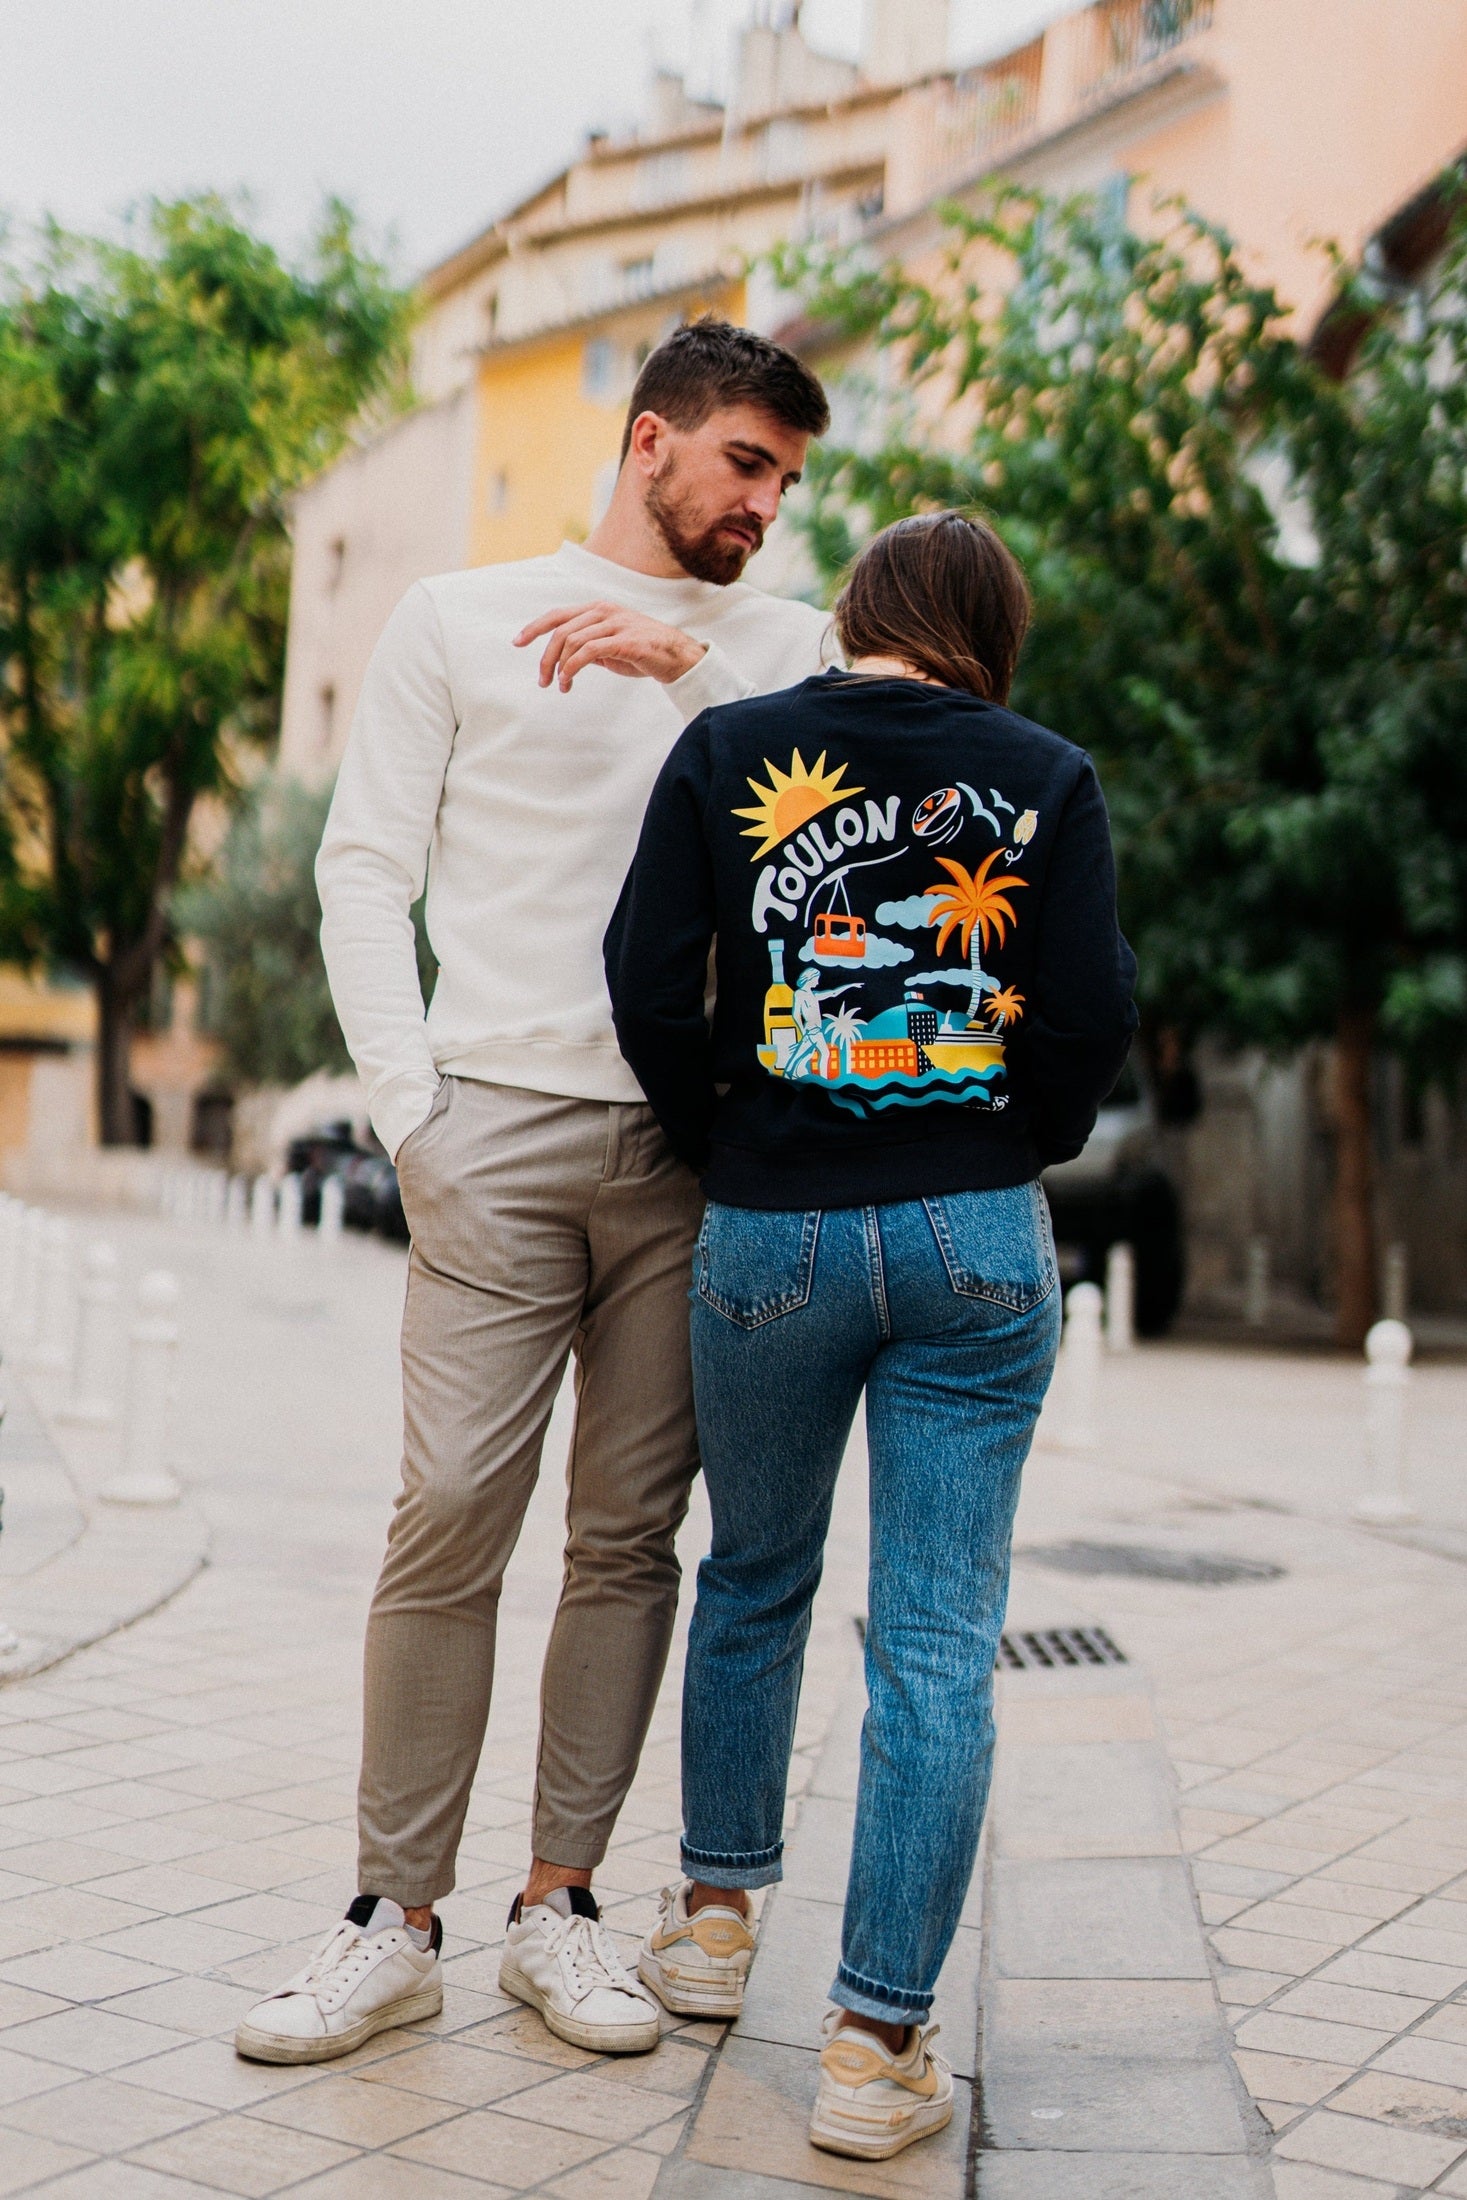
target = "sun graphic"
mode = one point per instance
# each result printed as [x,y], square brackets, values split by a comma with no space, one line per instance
[791,800]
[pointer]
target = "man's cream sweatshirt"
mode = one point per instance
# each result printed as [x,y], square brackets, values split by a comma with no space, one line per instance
[522,806]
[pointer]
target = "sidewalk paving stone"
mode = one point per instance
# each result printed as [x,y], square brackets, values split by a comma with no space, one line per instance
[178,1798]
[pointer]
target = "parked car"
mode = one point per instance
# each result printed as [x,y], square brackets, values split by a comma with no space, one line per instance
[370,1197]
[315,1156]
[1117,1192]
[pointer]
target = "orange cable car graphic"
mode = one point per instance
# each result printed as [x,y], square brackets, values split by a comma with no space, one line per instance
[839,937]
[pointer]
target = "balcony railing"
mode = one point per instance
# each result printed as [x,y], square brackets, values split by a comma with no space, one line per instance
[1128,34]
[982,112]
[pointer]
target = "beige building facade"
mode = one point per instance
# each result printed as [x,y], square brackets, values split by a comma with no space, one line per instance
[1291,122]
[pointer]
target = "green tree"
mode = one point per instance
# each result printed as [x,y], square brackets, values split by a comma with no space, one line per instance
[256,917]
[158,401]
[1247,583]
[258,921]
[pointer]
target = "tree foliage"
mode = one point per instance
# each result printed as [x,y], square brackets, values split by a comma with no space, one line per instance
[256,915]
[1248,582]
[159,399]
[258,920]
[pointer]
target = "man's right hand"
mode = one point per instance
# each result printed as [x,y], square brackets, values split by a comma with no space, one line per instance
[614,637]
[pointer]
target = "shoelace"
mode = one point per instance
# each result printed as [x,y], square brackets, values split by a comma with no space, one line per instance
[582,1945]
[330,1959]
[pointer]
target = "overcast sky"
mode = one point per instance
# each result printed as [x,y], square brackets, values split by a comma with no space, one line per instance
[430,116]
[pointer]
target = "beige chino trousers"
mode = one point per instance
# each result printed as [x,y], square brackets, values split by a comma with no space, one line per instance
[540,1226]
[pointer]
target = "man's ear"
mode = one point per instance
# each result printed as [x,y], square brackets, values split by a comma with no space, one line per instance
[649,441]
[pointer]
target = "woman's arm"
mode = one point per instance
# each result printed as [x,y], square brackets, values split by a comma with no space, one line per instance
[656,950]
[1080,1023]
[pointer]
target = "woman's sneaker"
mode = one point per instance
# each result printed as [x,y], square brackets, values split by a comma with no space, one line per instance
[366,1976]
[872,2103]
[559,1958]
[697,1966]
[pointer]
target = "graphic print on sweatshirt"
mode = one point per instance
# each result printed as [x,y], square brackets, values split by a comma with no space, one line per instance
[878,991]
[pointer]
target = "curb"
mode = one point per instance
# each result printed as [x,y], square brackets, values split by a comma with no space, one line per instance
[116,1566]
[1105,2060]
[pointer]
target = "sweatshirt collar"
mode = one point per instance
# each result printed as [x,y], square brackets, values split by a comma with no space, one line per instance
[605,575]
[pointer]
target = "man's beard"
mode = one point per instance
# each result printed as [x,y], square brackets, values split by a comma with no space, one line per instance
[709,556]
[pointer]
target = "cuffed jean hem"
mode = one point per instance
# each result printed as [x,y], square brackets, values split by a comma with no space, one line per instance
[753,1868]
[864,1997]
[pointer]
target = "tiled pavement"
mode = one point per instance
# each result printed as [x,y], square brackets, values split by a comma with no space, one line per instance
[1318,1726]
[176,1815]
[175,1804]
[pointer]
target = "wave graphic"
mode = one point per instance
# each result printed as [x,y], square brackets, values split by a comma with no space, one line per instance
[862,1096]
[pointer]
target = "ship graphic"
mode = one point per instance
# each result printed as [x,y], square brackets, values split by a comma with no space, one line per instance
[903,1056]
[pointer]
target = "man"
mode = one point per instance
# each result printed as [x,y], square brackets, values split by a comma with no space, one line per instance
[547,1213]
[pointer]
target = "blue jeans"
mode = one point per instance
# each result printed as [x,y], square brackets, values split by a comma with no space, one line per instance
[945,1312]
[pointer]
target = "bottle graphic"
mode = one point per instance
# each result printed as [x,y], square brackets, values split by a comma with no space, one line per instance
[779,1018]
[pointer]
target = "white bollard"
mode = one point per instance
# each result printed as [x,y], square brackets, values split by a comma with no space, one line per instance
[333,1203]
[52,1333]
[1255,1284]
[262,1206]
[146,1478]
[237,1203]
[1388,1349]
[1120,1299]
[1080,1366]
[90,1400]
[289,1219]
[1395,1284]
[12,1215]
[26,1309]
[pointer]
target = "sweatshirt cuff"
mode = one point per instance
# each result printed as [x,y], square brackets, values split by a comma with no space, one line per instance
[400,1105]
[712,680]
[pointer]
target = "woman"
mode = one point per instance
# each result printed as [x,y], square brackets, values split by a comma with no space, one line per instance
[922,998]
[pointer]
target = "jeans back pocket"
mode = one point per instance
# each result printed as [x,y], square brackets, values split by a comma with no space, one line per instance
[754,1264]
[996,1245]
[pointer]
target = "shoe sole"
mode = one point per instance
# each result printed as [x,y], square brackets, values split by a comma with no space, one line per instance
[837,2138]
[274,2047]
[598,2039]
[690,2001]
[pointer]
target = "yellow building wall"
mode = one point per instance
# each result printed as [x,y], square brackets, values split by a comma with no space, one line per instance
[543,438]
[15,1100]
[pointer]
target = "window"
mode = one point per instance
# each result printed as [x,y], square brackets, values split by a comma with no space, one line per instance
[639,276]
[491,314]
[599,368]
[496,495]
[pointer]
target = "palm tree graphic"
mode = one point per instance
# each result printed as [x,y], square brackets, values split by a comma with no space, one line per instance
[973,906]
[845,1029]
[1006,1006]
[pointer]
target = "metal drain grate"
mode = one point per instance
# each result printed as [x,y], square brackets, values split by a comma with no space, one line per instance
[1057,1648]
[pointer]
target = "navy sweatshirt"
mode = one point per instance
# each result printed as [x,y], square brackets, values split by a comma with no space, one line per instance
[921,986]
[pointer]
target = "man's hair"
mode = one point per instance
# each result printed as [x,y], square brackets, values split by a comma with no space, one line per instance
[709,364]
[943,593]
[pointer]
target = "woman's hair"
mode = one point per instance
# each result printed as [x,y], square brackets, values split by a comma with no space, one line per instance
[944,594]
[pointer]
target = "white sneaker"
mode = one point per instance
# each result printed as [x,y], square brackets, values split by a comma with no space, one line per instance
[559,1958]
[698,1966]
[872,2103]
[366,1976]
